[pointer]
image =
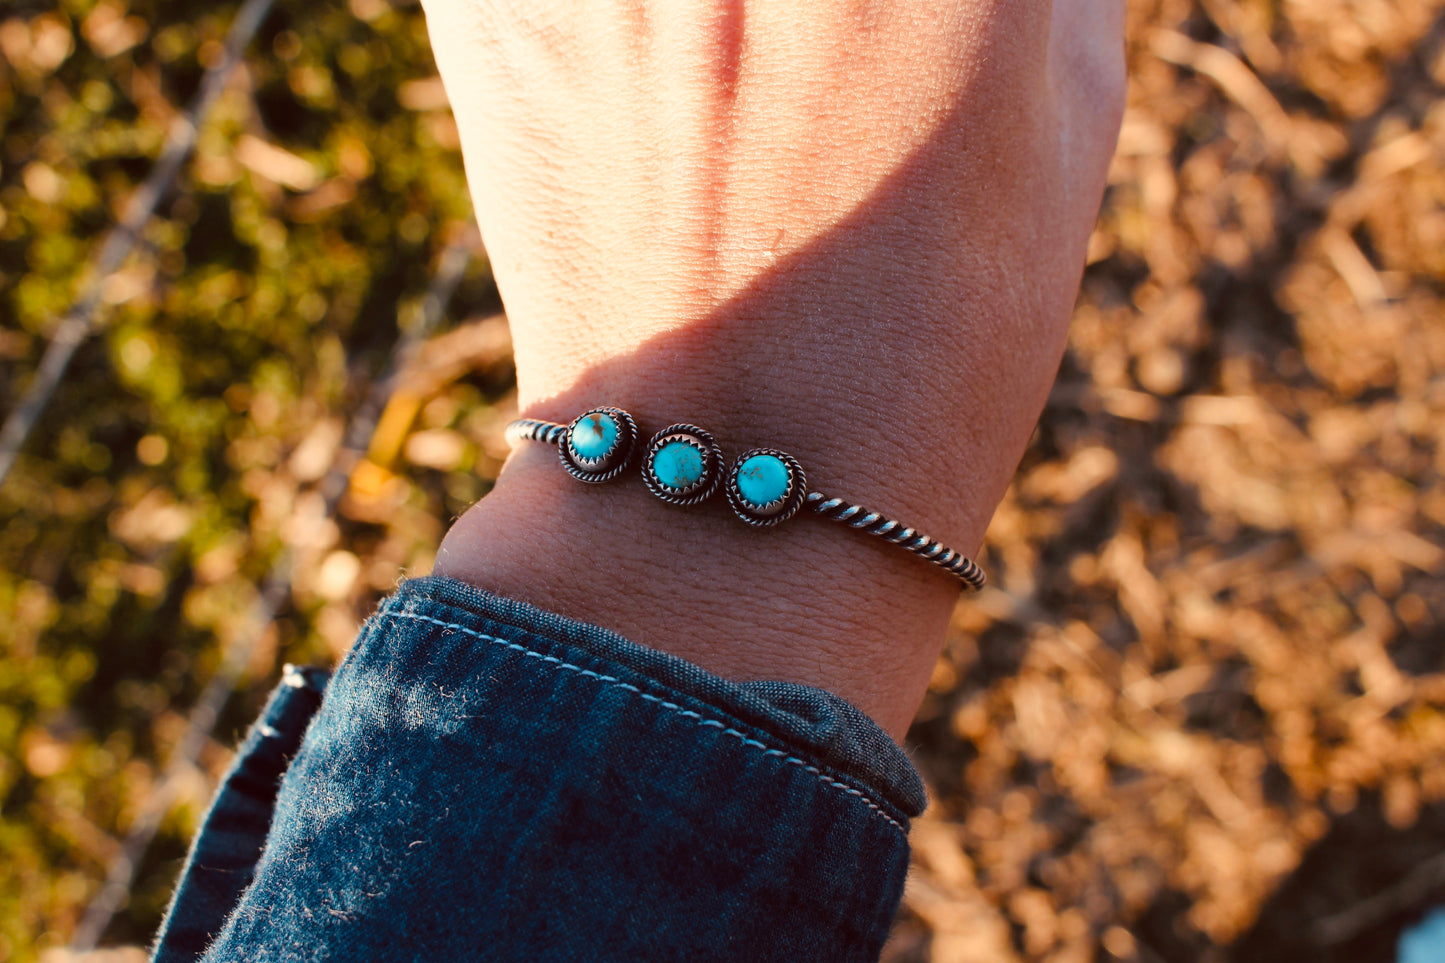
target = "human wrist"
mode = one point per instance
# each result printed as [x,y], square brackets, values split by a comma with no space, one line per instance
[914,398]
[804,603]
[891,426]
[883,402]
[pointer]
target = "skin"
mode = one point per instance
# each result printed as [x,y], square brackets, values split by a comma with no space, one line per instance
[849,229]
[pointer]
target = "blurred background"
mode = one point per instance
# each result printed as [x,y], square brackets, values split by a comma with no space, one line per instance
[1198,715]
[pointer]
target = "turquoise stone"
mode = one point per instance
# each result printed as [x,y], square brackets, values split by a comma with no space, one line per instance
[762,479]
[594,435]
[677,464]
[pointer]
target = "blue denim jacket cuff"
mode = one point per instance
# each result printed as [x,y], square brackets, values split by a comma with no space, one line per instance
[830,730]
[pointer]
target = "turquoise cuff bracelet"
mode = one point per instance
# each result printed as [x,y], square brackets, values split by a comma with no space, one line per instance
[683,465]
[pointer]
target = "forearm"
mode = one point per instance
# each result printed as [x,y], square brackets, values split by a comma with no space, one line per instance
[855,240]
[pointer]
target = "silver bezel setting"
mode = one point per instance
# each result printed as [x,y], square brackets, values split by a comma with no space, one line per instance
[613,462]
[712,465]
[777,511]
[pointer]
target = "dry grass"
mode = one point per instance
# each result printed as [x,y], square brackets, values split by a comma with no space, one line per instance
[1215,644]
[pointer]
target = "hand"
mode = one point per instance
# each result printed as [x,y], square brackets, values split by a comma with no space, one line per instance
[849,229]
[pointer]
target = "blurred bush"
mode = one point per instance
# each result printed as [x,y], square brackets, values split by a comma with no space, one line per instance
[181,454]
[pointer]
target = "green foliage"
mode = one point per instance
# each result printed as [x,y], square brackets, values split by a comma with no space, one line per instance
[170,471]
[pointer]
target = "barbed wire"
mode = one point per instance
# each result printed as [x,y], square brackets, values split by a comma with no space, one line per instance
[275,590]
[79,321]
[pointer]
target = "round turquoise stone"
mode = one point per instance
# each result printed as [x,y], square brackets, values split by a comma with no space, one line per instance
[763,479]
[594,435]
[678,464]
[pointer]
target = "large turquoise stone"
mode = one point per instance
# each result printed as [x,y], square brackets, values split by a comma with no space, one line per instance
[594,435]
[677,464]
[762,479]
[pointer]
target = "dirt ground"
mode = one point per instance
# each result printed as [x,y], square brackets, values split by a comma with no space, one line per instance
[1200,716]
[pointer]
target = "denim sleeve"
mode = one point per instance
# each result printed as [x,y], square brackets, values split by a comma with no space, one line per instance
[487,781]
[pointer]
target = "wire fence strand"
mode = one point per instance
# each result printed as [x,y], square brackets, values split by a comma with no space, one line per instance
[79,321]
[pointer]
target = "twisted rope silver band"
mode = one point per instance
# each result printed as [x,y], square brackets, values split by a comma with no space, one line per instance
[844,512]
[872,523]
[531,429]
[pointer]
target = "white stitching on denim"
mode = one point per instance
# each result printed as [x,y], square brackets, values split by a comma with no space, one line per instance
[701,720]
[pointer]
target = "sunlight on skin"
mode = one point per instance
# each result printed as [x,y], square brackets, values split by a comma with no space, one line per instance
[843,229]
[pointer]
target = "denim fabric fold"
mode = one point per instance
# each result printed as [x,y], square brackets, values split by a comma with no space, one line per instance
[488,781]
[222,861]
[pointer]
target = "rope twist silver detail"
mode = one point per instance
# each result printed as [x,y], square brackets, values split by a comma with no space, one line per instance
[531,429]
[874,523]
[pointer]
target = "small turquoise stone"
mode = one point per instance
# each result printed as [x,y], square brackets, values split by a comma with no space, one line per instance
[1425,941]
[594,435]
[762,479]
[677,464]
